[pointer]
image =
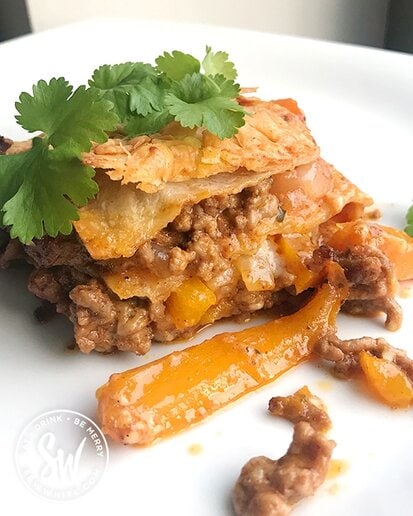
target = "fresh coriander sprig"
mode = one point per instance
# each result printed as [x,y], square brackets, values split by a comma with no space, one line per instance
[218,64]
[202,101]
[409,220]
[146,98]
[41,189]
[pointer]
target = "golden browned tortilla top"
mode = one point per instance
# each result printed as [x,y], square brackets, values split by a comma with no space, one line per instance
[273,138]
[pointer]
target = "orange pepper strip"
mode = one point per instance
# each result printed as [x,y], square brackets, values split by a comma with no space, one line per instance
[291,105]
[168,395]
[387,381]
[394,243]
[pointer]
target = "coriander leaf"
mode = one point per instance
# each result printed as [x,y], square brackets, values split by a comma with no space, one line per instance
[124,85]
[217,63]
[149,124]
[409,220]
[227,87]
[48,98]
[192,88]
[109,77]
[219,115]
[70,121]
[12,169]
[47,193]
[199,101]
[176,65]
[146,97]
[86,119]
[120,100]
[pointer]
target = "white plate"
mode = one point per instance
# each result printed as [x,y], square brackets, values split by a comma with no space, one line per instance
[359,106]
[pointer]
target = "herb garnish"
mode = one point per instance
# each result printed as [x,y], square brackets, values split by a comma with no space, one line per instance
[409,220]
[41,189]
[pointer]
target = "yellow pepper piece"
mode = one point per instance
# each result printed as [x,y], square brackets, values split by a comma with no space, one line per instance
[188,303]
[394,243]
[304,278]
[169,395]
[386,380]
[222,309]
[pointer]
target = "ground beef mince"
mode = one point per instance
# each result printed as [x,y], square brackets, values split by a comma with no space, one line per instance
[271,487]
[5,143]
[45,312]
[372,280]
[301,406]
[101,321]
[54,285]
[199,242]
[103,324]
[66,276]
[203,242]
[11,250]
[61,250]
[204,236]
[344,354]
[371,307]
[222,215]
[268,487]
[373,284]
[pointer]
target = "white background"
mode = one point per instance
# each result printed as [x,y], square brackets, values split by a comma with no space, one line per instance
[355,21]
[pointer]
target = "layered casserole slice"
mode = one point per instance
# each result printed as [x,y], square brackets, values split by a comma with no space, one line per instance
[188,229]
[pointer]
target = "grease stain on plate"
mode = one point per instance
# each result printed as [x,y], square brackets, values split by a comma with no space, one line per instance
[324,385]
[334,488]
[195,449]
[337,467]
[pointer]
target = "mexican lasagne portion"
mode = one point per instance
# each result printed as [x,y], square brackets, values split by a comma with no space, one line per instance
[188,229]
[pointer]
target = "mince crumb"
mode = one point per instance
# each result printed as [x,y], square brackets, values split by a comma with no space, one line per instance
[301,406]
[345,354]
[269,487]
